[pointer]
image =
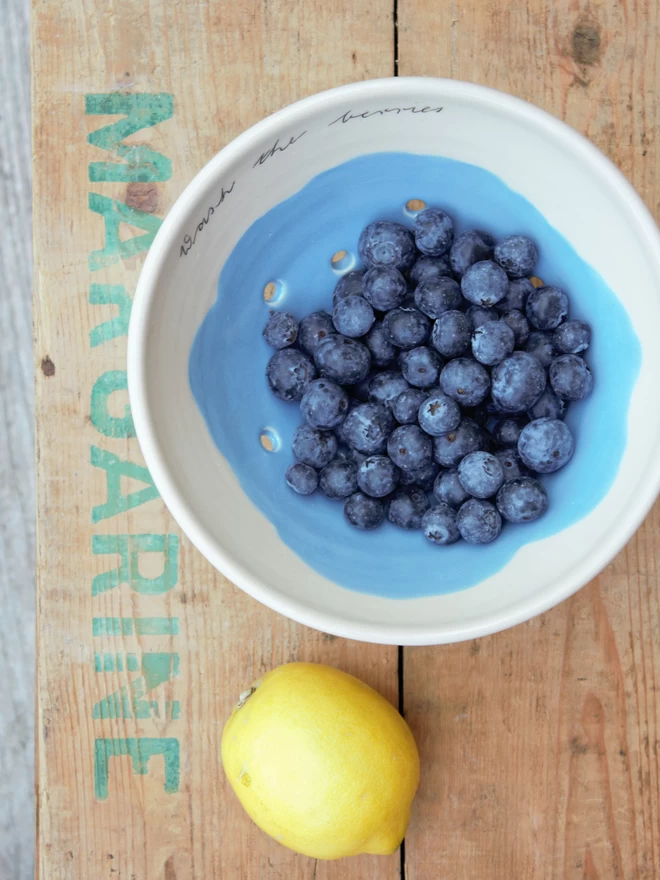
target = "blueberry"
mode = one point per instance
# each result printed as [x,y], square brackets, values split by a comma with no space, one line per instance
[377,476]
[434,232]
[288,373]
[572,337]
[341,359]
[570,377]
[478,521]
[387,244]
[481,474]
[406,327]
[367,427]
[385,288]
[407,508]
[517,255]
[339,479]
[409,447]
[517,294]
[448,490]
[312,330]
[420,366]
[353,316]
[281,330]
[451,333]
[540,344]
[438,414]
[324,404]
[302,478]
[435,297]
[313,447]
[548,406]
[350,284]
[546,307]
[364,512]
[378,343]
[518,382]
[493,342]
[429,269]
[465,381]
[385,387]
[470,247]
[519,324]
[439,525]
[522,500]
[449,449]
[419,478]
[479,316]
[545,445]
[405,406]
[484,284]
[507,431]
[512,465]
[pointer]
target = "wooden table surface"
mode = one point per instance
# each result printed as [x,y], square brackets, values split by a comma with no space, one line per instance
[540,746]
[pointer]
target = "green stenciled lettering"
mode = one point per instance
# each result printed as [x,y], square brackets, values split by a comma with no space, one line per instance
[157,668]
[117,705]
[140,626]
[141,750]
[129,548]
[116,468]
[114,214]
[107,662]
[138,162]
[110,294]
[110,426]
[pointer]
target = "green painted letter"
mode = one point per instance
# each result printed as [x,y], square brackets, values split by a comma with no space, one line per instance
[158,667]
[104,294]
[110,426]
[115,213]
[141,749]
[129,548]
[115,469]
[138,161]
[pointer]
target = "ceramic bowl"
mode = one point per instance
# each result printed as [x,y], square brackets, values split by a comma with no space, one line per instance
[257,228]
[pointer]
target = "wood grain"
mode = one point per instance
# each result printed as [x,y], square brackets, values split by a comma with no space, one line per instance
[16,454]
[226,65]
[540,745]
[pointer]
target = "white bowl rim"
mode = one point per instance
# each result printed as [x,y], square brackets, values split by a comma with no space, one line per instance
[146,290]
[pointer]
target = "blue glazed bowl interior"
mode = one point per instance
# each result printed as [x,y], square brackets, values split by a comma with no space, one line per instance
[293,244]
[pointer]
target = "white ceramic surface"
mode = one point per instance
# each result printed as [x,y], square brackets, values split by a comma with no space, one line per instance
[579,192]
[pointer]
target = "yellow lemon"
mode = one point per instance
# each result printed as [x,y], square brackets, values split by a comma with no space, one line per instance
[322,762]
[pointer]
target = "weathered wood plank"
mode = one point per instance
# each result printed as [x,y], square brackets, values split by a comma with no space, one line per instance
[225,65]
[16,453]
[540,746]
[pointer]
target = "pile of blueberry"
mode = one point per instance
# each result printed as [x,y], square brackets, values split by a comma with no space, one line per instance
[442,369]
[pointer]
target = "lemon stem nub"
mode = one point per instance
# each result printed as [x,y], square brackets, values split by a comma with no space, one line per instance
[245,696]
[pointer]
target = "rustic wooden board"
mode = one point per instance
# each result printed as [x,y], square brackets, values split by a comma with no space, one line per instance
[541,745]
[142,648]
